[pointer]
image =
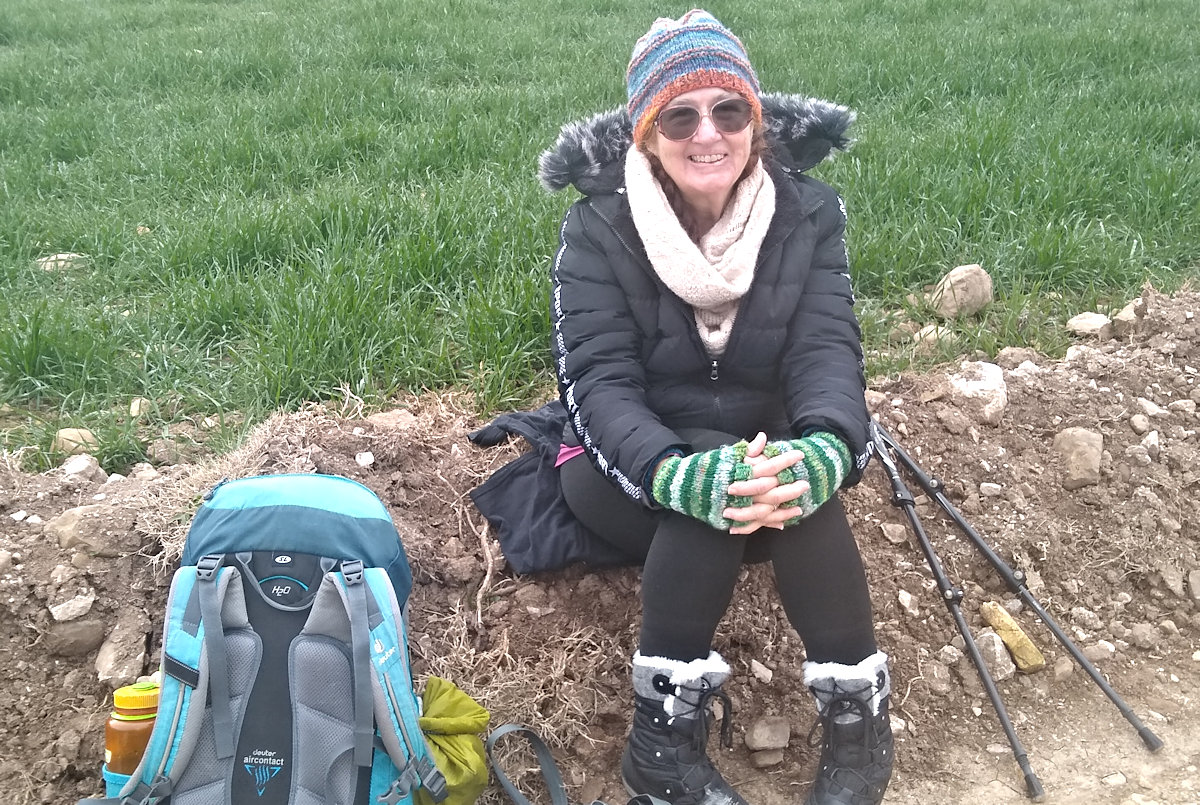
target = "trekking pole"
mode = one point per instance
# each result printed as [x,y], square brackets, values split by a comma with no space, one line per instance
[1015,579]
[952,596]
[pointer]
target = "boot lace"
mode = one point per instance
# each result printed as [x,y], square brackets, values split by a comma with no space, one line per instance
[844,702]
[700,713]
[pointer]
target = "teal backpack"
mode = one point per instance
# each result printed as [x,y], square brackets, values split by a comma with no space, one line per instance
[285,665]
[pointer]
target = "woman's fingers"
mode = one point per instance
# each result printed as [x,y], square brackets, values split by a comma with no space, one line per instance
[776,465]
[754,487]
[755,447]
[763,516]
[780,495]
[748,514]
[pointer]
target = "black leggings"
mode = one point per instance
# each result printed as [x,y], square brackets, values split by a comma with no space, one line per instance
[691,568]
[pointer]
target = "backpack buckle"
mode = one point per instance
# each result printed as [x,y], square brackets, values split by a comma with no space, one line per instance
[208,566]
[352,571]
[432,779]
[401,787]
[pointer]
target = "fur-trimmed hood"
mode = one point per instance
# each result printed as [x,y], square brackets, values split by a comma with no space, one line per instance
[590,153]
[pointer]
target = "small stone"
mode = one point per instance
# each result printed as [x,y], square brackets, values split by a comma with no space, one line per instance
[768,732]
[1150,408]
[894,533]
[761,672]
[84,467]
[74,440]
[996,656]
[138,406]
[939,678]
[364,459]
[1100,651]
[949,655]
[1182,406]
[990,490]
[1086,618]
[963,291]
[766,759]
[1114,779]
[1063,668]
[63,261]
[1140,424]
[908,603]
[73,609]
[1144,636]
[144,472]
[5,561]
[1153,445]
[1091,325]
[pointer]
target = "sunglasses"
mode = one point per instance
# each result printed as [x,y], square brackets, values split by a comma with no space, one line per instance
[680,122]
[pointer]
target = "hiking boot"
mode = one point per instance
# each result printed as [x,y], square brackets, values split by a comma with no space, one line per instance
[666,757]
[857,748]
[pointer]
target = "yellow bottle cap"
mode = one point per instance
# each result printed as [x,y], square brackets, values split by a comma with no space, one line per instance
[140,696]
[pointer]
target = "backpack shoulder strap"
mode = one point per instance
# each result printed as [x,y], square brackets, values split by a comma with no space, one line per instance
[360,604]
[188,667]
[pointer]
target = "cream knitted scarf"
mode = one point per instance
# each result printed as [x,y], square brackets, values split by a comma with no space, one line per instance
[713,275]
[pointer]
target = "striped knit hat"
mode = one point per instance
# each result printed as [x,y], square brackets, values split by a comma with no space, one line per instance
[678,56]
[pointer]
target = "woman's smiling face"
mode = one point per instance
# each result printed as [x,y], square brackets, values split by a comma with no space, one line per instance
[708,164]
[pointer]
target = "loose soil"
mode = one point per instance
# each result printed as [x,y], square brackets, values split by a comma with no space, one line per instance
[1115,563]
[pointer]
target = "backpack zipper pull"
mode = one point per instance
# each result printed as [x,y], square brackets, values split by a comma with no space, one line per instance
[714,374]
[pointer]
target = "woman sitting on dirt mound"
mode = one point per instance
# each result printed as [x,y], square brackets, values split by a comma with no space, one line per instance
[711,366]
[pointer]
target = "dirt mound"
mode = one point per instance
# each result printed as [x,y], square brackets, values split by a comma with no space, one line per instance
[1113,561]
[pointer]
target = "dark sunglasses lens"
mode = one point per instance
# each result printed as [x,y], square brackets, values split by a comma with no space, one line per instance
[679,122]
[731,116]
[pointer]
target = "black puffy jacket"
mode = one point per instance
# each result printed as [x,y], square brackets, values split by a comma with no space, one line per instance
[631,367]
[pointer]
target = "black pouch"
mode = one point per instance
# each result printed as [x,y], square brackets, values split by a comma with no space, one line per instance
[523,500]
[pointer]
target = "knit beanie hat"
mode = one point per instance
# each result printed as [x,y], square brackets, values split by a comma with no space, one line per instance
[677,56]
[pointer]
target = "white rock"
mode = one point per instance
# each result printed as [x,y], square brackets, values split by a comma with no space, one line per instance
[761,672]
[1080,451]
[1182,406]
[1114,779]
[963,291]
[84,467]
[1150,408]
[1091,325]
[74,440]
[995,656]
[1100,651]
[895,533]
[990,490]
[980,387]
[364,459]
[63,261]
[1126,322]
[909,603]
[73,609]
[138,406]
[1140,423]
[1152,444]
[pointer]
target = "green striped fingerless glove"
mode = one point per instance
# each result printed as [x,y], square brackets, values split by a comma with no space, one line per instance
[698,485]
[826,464]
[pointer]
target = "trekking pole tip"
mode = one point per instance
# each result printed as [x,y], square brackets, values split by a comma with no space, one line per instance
[1034,786]
[1152,741]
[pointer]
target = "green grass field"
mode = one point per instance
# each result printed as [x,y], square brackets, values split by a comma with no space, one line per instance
[290,200]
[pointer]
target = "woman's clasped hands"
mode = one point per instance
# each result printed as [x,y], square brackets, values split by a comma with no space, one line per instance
[771,502]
